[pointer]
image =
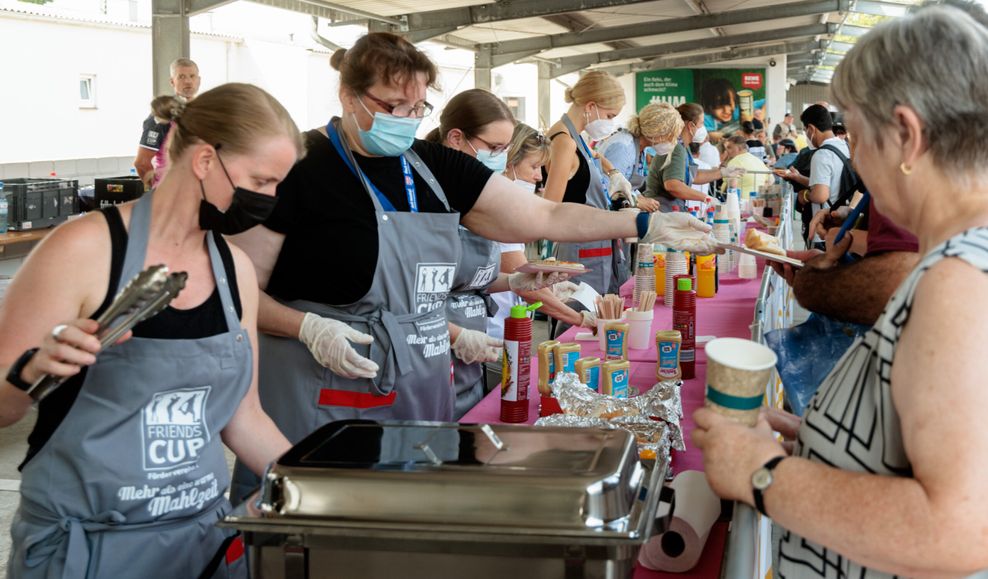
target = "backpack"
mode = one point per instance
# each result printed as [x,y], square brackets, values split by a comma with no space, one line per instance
[849,180]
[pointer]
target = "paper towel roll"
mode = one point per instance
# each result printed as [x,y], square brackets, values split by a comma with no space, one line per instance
[697,508]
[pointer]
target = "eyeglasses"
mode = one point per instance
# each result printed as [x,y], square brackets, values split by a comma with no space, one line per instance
[423,109]
[494,149]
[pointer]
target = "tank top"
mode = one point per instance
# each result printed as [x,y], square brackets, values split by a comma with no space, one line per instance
[851,422]
[576,187]
[201,321]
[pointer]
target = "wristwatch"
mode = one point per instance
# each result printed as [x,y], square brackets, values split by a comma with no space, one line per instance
[761,479]
[14,375]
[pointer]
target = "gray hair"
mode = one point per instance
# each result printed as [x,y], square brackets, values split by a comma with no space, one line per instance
[935,61]
[182,62]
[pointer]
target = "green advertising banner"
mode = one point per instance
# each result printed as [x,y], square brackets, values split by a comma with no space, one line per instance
[727,95]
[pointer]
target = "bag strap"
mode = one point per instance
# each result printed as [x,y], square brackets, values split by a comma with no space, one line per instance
[845,196]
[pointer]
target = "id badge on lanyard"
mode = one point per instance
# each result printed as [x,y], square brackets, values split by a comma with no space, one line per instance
[406,170]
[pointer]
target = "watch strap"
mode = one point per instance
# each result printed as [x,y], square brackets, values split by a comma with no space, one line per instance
[757,492]
[14,374]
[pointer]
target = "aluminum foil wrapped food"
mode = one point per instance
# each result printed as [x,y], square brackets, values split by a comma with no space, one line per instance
[637,413]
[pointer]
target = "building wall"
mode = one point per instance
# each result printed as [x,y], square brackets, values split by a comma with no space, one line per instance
[802,95]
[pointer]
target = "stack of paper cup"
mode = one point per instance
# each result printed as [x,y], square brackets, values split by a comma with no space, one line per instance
[675,265]
[644,272]
[722,232]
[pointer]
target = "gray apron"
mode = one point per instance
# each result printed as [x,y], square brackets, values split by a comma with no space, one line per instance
[405,312]
[602,258]
[132,481]
[469,306]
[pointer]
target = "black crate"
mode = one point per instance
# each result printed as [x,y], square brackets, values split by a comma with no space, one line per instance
[116,190]
[38,203]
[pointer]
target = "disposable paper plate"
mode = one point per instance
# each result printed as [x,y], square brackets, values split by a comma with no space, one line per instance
[575,269]
[764,254]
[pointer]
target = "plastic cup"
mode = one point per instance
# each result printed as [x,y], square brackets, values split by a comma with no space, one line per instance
[747,267]
[738,372]
[640,334]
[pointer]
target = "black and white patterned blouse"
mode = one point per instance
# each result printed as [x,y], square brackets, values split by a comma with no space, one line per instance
[852,424]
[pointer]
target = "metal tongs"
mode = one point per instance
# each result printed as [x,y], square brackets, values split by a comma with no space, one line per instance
[144,296]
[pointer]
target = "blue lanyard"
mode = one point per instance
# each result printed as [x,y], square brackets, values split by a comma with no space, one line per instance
[406,170]
[600,171]
[688,179]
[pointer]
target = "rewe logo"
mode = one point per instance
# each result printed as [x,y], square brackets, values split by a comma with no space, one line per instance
[432,284]
[173,428]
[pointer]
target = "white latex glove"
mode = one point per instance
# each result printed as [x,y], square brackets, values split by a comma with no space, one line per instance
[329,341]
[727,172]
[589,320]
[527,282]
[681,231]
[564,290]
[620,187]
[472,347]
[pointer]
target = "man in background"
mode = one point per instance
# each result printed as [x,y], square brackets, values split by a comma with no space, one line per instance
[185,82]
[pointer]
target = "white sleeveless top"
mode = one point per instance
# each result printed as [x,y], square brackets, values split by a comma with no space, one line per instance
[851,422]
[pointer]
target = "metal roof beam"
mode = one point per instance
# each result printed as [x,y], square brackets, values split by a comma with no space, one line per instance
[422,24]
[655,51]
[669,26]
[320,8]
[715,57]
[198,6]
[880,8]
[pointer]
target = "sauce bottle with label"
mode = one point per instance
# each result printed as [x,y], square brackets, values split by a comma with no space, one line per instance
[684,322]
[516,363]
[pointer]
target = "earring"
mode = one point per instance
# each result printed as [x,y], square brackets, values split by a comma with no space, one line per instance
[906,169]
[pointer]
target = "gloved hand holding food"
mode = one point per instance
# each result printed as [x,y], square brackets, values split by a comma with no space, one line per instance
[681,231]
[534,281]
[472,347]
[329,341]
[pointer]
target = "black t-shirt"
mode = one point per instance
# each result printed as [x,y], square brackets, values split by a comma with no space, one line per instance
[330,249]
[206,319]
[153,133]
[579,183]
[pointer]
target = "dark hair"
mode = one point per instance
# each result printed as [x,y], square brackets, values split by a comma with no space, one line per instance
[839,130]
[788,144]
[758,125]
[381,56]
[818,116]
[690,112]
[470,111]
[747,127]
[695,148]
[717,92]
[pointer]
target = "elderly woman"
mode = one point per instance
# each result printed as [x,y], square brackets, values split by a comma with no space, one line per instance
[887,472]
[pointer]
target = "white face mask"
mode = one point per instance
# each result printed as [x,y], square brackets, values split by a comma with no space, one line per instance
[700,135]
[600,128]
[530,187]
[664,148]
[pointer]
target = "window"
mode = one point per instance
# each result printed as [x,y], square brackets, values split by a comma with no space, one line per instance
[87,91]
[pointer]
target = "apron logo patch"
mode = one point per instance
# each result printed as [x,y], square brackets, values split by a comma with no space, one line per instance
[173,428]
[432,284]
[484,276]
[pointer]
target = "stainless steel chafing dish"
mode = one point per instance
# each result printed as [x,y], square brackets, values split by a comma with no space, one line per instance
[431,500]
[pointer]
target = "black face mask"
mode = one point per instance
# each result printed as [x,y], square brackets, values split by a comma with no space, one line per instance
[247,209]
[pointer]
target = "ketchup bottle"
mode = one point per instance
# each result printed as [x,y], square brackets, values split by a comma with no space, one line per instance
[684,321]
[516,363]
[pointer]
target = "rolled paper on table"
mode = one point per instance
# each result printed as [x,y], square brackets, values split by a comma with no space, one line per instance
[697,508]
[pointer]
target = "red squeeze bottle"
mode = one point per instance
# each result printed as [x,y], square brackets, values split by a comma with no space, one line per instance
[516,363]
[684,321]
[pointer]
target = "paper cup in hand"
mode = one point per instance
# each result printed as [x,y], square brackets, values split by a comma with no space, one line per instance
[737,375]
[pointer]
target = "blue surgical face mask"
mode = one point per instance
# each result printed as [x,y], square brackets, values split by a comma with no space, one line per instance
[389,136]
[495,162]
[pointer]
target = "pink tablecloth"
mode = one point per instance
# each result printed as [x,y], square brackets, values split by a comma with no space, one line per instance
[728,314]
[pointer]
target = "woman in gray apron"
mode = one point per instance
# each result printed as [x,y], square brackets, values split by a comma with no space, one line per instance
[360,255]
[126,474]
[575,176]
